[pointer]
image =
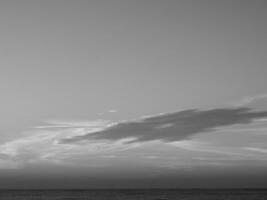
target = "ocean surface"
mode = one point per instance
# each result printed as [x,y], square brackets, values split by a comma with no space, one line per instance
[136,194]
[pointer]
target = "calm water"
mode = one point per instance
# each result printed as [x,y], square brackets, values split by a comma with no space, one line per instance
[161,194]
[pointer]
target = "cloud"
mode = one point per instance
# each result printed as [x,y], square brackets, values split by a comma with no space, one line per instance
[222,150]
[250,100]
[84,142]
[261,150]
[74,124]
[112,111]
[41,145]
[171,127]
[202,147]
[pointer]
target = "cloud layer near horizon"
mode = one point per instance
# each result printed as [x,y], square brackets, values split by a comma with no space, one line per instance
[172,127]
[95,143]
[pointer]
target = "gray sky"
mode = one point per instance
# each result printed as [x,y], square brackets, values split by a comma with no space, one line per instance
[105,91]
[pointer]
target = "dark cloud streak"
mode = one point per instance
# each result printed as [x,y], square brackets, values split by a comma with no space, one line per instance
[173,126]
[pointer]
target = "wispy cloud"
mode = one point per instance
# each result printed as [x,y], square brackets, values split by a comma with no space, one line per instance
[41,144]
[256,149]
[112,111]
[71,124]
[206,147]
[250,99]
[172,127]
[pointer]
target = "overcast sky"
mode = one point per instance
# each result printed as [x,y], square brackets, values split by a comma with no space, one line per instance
[140,93]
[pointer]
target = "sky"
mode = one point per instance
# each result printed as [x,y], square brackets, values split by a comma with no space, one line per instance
[133,94]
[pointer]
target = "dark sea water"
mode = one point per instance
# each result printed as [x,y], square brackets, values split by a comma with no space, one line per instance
[154,194]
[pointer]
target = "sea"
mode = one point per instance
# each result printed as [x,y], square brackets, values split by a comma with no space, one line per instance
[136,194]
